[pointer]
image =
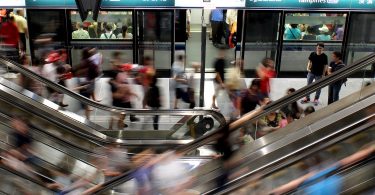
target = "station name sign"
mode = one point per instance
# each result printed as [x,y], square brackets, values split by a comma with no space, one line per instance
[137,3]
[250,4]
[311,4]
[51,3]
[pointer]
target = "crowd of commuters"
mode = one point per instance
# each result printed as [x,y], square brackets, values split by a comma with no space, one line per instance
[324,32]
[101,30]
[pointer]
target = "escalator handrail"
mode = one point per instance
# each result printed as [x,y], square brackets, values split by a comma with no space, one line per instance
[24,176]
[342,170]
[248,118]
[182,112]
[292,158]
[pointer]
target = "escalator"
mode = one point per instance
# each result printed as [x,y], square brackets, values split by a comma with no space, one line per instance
[297,130]
[53,154]
[317,165]
[336,119]
[174,125]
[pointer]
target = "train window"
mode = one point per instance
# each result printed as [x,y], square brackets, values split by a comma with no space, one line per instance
[314,26]
[302,31]
[110,25]
[261,37]
[361,36]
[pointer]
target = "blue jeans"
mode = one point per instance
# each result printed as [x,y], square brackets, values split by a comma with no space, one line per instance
[335,91]
[310,78]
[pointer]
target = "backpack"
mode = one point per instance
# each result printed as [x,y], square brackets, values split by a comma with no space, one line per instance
[339,66]
[110,36]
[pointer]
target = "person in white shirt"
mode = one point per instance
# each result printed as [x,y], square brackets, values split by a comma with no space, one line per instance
[108,32]
[50,72]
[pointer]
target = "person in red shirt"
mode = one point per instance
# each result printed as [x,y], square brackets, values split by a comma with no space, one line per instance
[9,33]
[9,37]
[265,72]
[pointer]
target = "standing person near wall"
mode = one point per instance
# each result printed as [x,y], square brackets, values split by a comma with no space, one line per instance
[316,68]
[22,28]
[9,37]
[335,65]
[217,19]
[230,20]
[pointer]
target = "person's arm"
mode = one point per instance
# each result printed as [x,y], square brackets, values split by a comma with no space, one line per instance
[309,65]
[26,33]
[325,70]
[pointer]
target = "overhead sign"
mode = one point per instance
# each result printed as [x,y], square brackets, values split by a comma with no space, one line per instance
[311,4]
[51,3]
[137,3]
[210,3]
[12,3]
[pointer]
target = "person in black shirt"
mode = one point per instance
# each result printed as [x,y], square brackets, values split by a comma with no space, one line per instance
[334,66]
[152,99]
[316,67]
[219,65]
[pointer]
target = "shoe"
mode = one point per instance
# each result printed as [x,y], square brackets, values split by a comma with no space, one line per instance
[316,102]
[63,105]
[305,100]
[134,119]
[214,107]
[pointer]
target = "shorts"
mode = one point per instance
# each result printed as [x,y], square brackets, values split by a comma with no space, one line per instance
[180,93]
[121,104]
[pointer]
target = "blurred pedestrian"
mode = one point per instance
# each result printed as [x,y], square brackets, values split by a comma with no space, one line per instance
[29,83]
[152,99]
[87,71]
[181,81]
[250,98]
[309,110]
[219,81]
[54,71]
[266,71]
[121,95]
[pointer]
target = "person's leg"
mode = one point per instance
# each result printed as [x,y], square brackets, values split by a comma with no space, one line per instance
[132,116]
[120,123]
[220,32]
[215,26]
[23,42]
[336,92]
[216,92]
[317,94]
[177,97]
[156,122]
[310,79]
[330,94]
